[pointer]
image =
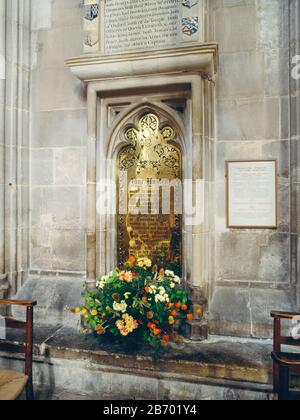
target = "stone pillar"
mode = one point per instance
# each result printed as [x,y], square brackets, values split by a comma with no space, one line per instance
[91,239]
[295,144]
[16,191]
[199,283]
[3,281]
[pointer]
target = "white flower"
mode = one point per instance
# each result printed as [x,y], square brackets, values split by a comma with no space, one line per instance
[162,298]
[169,273]
[152,290]
[158,298]
[127,295]
[162,290]
[177,280]
[102,282]
[172,285]
[120,307]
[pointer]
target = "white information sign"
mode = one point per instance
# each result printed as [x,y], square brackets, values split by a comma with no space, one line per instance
[252,194]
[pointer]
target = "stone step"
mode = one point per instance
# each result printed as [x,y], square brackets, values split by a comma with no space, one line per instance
[220,368]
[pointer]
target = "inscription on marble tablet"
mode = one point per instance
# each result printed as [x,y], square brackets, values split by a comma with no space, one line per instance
[134,25]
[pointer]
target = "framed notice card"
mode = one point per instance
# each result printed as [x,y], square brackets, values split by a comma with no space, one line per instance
[252,194]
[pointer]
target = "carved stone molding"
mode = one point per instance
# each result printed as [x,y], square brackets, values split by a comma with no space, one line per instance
[201,59]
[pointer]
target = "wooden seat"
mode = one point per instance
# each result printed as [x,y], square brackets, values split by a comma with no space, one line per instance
[12,383]
[284,364]
[286,359]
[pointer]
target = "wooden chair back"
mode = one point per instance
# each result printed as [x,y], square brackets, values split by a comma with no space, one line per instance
[282,340]
[27,326]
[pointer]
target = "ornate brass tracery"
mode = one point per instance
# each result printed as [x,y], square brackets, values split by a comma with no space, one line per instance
[152,156]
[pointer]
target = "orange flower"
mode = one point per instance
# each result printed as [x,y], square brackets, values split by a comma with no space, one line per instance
[190,317]
[150,315]
[84,312]
[156,331]
[149,325]
[184,308]
[147,289]
[154,269]
[131,260]
[170,305]
[126,276]
[166,338]
[174,312]
[162,272]
[178,305]
[100,330]
[144,298]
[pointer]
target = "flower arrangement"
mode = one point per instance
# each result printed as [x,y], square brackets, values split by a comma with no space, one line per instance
[138,301]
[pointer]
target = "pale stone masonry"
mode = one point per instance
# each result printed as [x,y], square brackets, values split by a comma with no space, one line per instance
[44,138]
[255,270]
[2,170]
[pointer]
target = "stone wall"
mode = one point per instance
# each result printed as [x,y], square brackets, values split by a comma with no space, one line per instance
[257,117]
[58,140]
[253,268]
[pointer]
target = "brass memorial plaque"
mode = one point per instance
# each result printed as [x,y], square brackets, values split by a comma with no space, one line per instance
[150,174]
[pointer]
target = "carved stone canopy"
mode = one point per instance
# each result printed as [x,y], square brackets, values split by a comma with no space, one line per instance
[193,59]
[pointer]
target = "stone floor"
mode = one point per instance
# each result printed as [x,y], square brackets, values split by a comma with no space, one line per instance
[68,367]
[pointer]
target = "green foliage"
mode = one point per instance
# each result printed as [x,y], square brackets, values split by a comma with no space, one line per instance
[138,303]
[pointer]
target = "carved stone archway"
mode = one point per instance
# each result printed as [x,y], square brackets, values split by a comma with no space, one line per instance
[136,81]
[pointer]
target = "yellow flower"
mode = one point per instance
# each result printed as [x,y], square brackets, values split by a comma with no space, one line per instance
[127,325]
[84,312]
[119,324]
[171,320]
[124,332]
[94,312]
[148,262]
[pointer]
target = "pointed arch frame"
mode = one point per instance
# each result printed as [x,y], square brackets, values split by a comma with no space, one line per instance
[128,118]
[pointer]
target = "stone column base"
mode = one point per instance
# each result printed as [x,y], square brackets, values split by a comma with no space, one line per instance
[4,286]
[198,328]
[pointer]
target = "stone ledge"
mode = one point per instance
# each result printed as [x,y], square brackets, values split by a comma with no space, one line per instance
[245,364]
[195,58]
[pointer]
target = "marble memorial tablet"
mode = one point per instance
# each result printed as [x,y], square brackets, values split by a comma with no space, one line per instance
[141,24]
[252,194]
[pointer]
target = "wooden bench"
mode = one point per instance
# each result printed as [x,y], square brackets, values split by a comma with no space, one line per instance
[285,364]
[12,383]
